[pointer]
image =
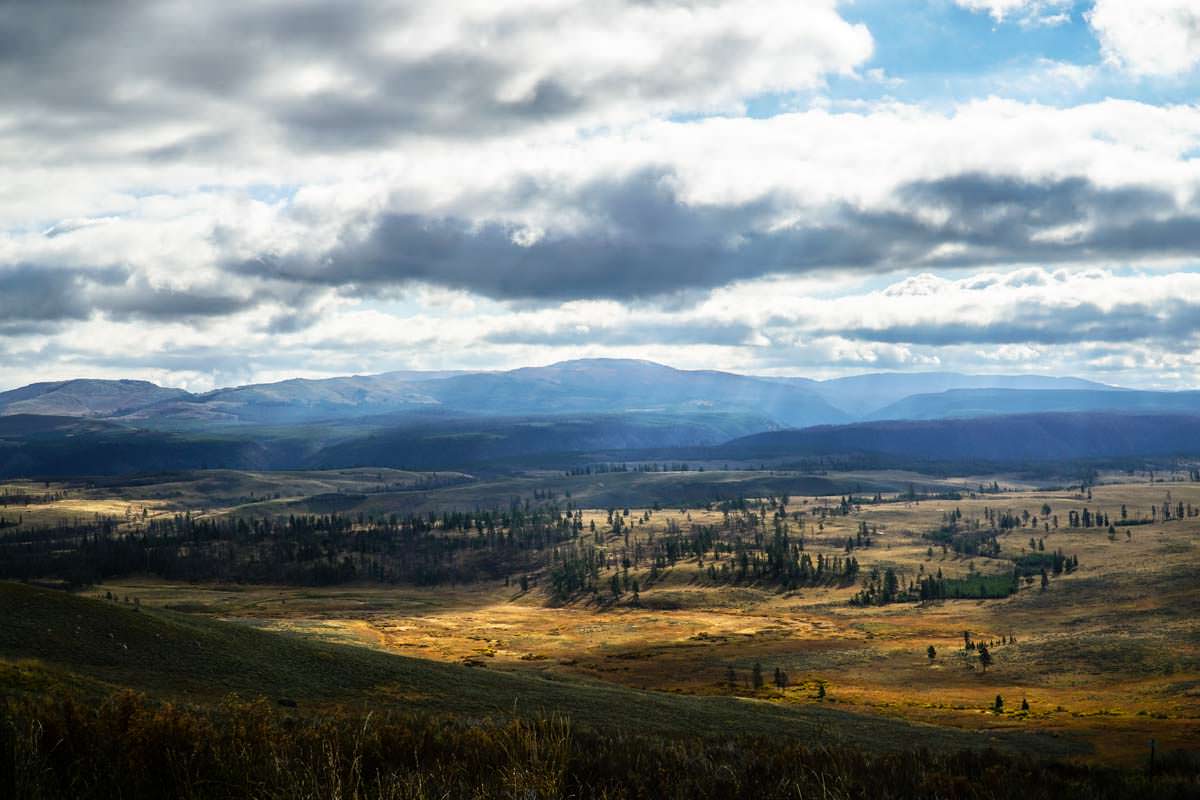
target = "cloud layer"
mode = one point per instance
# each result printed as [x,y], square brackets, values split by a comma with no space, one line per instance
[212,193]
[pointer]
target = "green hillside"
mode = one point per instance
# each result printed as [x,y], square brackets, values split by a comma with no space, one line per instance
[93,645]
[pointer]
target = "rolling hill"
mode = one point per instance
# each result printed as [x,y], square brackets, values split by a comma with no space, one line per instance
[97,646]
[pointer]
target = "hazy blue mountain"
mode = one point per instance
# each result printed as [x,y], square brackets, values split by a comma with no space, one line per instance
[85,397]
[1019,438]
[586,386]
[591,386]
[863,395]
[300,399]
[984,402]
[618,385]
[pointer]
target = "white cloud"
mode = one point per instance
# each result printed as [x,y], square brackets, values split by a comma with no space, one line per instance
[1148,37]
[1131,328]
[141,160]
[1025,12]
[175,80]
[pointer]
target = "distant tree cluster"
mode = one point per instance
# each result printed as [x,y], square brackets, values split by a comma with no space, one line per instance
[604,469]
[17,497]
[298,549]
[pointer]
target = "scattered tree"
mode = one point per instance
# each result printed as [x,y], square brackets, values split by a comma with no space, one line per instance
[985,657]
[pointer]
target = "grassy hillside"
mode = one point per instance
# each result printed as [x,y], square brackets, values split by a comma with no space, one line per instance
[90,644]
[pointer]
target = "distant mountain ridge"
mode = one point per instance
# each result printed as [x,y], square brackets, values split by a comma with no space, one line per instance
[592,386]
[987,402]
[85,397]
[597,386]
[866,395]
[996,439]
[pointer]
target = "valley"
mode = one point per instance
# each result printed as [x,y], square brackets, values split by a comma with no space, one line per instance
[686,598]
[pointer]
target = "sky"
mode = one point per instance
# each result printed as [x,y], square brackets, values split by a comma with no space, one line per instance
[210,194]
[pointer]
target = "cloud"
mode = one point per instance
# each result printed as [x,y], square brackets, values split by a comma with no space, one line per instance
[1148,37]
[636,237]
[139,300]
[31,298]
[1144,38]
[629,333]
[212,193]
[1029,307]
[37,298]
[1026,12]
[1133,328]
[196,80]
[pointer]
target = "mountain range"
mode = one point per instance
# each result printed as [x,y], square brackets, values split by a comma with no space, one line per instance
[590,386]
[609,407]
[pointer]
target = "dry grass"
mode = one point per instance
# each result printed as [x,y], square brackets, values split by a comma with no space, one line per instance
[1110,654]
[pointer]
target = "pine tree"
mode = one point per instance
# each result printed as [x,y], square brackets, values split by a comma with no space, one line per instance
[932,653]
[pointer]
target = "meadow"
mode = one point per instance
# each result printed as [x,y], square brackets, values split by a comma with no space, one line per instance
[1090,663]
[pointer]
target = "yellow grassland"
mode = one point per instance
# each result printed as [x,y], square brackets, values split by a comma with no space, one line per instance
[1109,654]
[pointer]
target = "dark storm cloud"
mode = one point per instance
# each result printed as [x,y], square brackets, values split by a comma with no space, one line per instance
[642,241]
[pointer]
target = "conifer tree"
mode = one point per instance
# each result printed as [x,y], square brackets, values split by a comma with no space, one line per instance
[985,657]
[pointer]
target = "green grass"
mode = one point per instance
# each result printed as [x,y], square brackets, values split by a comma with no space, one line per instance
[93,645]
[979,586]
